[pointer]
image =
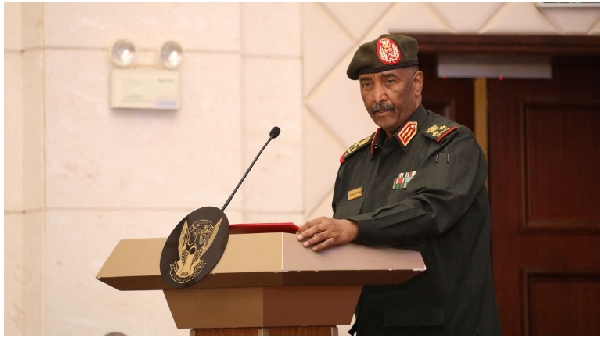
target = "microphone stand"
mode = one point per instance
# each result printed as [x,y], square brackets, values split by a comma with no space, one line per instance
[272,135]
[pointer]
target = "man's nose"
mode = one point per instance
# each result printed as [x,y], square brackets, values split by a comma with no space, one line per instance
[379,93]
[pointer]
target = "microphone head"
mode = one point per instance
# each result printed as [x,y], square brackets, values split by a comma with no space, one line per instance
[274,132]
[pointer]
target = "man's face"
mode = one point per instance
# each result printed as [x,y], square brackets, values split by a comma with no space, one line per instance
[392,96]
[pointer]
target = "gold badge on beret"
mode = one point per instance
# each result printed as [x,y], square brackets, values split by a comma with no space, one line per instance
[388,52]
[385,53]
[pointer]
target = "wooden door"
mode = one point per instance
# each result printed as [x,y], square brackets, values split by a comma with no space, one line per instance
[451,98]
[544,181]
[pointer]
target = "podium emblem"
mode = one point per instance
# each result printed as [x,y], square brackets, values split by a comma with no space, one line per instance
[194,241]
[194,247]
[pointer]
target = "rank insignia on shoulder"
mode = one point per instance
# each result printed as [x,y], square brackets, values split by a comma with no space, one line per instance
[438,132]
[355,147]
[403,178]
[407,133]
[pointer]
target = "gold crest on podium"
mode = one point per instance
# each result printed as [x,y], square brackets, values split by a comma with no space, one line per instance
[194,241]
[194,247]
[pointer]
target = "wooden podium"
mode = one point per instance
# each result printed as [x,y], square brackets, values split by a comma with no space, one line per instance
[265,284]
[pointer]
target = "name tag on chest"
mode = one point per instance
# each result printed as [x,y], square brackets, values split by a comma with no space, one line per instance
[354,194]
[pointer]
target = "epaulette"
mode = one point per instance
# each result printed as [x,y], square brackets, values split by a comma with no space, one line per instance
[355,147]
[438,132]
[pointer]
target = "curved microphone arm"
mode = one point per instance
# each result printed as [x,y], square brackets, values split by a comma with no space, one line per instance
[272,135]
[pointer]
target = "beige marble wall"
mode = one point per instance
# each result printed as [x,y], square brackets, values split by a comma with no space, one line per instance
[13,274]
[271,80]
[13,132]
[80,176]
[13,171]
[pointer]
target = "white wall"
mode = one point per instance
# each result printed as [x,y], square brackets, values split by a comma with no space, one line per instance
[80,176]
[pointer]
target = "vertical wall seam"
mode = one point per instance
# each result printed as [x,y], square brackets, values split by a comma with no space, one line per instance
[23,159]
[44,178]
[302,112]
[242,111]
[23,223]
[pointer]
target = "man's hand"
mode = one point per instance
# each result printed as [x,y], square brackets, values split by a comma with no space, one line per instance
[323,232]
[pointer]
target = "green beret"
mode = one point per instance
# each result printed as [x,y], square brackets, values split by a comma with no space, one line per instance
[384,53]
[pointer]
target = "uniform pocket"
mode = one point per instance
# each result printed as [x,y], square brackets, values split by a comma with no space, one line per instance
[412,316]
[349,208]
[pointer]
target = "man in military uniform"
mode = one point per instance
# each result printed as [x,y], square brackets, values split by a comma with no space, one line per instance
[418,183]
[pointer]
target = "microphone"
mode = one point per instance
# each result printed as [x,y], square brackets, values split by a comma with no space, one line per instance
[272,135]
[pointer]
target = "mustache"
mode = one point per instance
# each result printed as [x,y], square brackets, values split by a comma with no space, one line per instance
[382,107]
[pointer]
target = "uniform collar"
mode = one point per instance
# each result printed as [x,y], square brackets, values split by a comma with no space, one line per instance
[417,117]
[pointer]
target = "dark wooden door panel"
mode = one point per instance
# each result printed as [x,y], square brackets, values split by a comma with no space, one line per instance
[561,303]
[451,98]
[561,164]
[544,161]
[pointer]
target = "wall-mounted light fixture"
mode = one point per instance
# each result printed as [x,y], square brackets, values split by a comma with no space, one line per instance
[171,55]
[122,53]
[145,86]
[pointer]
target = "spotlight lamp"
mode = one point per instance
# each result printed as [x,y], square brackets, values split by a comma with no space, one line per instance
[123,53]
[171,55]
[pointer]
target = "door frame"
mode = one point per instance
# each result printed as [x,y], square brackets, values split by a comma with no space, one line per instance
[563,45]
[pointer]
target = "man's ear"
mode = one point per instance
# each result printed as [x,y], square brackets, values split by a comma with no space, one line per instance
[418,83]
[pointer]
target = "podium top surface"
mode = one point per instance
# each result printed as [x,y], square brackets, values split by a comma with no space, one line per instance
[266,260]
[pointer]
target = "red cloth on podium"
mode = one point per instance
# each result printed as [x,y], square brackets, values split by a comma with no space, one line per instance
[252,228]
